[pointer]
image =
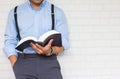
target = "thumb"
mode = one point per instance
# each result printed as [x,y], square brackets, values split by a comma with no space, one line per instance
[50,42]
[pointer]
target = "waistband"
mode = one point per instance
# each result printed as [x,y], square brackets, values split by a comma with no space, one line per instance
[23,55]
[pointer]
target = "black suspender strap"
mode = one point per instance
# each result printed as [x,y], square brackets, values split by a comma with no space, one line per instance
[53,17]
[16,23]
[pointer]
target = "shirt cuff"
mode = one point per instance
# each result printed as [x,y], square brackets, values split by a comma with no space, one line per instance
[66,44]
[8,54]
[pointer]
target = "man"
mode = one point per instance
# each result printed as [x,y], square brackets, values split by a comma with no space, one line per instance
[34,19]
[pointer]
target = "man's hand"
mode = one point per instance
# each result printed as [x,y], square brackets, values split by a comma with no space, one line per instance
[40,49]
[13,59]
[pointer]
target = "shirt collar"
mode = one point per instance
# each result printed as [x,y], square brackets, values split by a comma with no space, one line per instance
[41,6]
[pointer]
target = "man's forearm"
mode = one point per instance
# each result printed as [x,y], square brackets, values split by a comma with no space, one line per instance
[57,50]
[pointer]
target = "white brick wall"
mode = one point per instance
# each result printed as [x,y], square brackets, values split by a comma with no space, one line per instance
[94,27]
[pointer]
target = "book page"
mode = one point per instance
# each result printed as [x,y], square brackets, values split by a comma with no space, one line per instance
[45,35]
[25,39]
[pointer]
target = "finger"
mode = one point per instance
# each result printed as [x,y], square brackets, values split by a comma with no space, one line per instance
[39,51]
[42,49]
[50,42]
[39,46]
[32,45]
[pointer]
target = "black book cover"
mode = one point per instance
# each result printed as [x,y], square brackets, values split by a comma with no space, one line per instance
[57,41]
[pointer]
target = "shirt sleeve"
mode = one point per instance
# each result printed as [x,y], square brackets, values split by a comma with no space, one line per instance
[10,35]
[61,26]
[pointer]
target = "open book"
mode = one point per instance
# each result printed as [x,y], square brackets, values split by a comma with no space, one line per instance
[43,40]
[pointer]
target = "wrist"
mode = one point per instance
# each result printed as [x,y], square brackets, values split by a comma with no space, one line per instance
[51,52]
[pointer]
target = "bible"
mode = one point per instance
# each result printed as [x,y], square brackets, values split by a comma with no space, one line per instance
[43,40]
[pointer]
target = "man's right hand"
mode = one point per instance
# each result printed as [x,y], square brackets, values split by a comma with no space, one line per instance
[13,59]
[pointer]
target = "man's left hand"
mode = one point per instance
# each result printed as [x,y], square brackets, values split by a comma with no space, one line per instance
[40,49]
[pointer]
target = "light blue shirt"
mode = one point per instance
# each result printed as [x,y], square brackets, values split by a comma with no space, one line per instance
[33,22]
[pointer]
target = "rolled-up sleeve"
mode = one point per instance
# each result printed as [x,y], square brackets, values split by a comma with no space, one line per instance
[10,36]
[62,27]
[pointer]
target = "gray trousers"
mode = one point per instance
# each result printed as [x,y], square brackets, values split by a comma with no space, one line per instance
[37,67]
